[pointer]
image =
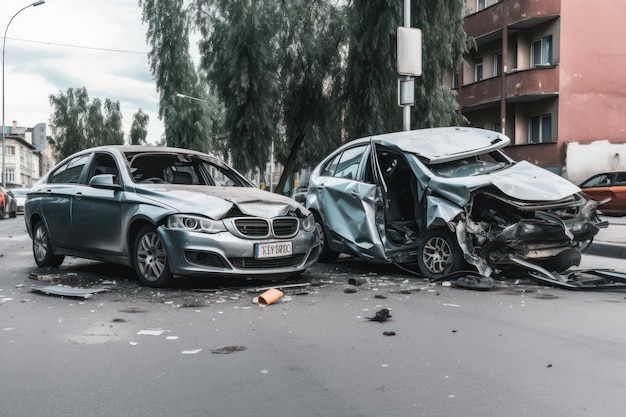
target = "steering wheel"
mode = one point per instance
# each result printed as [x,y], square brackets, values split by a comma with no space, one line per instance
[155,180]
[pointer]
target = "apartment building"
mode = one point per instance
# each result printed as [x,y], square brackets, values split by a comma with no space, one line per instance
[27,154]
[546,73]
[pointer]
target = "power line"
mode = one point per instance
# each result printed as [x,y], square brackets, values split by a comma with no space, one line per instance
[78,46]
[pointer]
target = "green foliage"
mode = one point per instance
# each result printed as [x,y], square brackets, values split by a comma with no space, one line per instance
[371,86]
[302,75]
[188,123]
[139,128]
[371,76]
[311,40]
[239,50]
[77,123]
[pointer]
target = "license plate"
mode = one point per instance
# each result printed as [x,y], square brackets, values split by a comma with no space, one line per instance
[272,250]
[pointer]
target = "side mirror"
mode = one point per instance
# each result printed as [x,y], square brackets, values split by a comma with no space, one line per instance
[104,181]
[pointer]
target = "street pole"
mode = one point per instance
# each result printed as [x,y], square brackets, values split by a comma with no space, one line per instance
[406,110]
[4,40]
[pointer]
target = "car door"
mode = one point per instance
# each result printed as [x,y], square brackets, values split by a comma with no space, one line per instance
[599,187]
[350,202]
[56,199]
[97,212]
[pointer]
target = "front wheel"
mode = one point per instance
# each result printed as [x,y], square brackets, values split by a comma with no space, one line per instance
[42,249]
[150,259]
[439,254]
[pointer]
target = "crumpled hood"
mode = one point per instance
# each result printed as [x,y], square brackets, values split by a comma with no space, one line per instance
[215,202]
[522,181]
[525,181]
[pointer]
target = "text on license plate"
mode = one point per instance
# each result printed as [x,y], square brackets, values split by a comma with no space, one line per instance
[272,250]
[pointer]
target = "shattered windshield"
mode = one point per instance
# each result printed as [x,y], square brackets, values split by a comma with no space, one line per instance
[473,165]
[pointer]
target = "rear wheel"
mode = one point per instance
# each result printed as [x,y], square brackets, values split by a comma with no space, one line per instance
[326,254]
[42,249]
[439,254]
[150,259]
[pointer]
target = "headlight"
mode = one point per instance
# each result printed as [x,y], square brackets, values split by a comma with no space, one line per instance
[308,223]
[191,223]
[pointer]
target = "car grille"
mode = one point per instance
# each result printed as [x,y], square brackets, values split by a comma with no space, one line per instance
[251,263]
[281,227]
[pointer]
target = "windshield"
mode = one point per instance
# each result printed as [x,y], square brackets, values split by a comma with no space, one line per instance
[18,192]
[471,166]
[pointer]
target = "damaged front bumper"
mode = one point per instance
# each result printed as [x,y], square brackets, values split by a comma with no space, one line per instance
[495,229]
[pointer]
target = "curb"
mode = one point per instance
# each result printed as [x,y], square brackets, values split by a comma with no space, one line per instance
[606,249]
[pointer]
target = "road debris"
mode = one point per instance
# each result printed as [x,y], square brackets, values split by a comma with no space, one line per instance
[228,349]
[381,315]
[269,296]
[389,333]
[66,291]
[191,352]
[154,332]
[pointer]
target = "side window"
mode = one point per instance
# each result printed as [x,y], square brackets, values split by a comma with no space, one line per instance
[621,179]
[105,164]
[330,167]
[602,180]
[349,162]
[70,172]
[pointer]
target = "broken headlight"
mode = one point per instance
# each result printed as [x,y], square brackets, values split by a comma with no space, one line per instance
[308,223]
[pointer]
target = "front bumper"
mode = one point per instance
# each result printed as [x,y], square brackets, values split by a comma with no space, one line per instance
[202,254]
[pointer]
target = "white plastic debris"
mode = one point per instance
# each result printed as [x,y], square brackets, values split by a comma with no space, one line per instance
[156,332]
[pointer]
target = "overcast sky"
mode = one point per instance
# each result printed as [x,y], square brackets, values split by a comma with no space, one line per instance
[61,44]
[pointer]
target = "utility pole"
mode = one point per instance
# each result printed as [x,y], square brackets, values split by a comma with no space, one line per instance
[409,51]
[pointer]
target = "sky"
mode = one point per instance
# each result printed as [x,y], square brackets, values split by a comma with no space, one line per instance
[61,44]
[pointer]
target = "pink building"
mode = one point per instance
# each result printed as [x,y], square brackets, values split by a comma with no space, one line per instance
[546,73]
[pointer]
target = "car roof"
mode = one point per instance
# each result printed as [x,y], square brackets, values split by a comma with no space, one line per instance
[442,144]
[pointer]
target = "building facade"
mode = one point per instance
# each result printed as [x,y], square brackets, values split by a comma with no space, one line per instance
[27,154]
[546,73]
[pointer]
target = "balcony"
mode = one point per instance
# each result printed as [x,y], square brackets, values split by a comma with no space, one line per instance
[486,25]
[526,85]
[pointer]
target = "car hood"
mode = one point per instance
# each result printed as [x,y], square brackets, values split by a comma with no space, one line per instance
[522,181]
[216,202]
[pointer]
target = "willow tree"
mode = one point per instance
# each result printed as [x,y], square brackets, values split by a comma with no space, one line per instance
[139,128]
[185,108]
[311,41]
[371,75]
[78,123]
[238,53]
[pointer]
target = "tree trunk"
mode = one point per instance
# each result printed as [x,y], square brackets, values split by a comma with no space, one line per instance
[289,164]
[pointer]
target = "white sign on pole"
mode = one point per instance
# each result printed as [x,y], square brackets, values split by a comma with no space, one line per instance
[409,51]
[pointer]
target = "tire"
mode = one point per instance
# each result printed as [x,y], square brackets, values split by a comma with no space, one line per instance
[326,254]
[3,212]
[42,249]
[150,259]
[439,254]
[13,214]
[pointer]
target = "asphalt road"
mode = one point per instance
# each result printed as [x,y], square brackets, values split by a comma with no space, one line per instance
[520,349]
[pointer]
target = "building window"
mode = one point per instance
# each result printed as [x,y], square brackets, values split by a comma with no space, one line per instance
[478,69]
[497,64]
[496,126]
[10,175]
[10,150]
[541,52]
[480,4]
[455,80]
[540,129]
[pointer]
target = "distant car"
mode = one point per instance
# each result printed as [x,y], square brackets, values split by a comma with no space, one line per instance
[159,210]
[20,198]
[444,199]
[8,205]
[608,188]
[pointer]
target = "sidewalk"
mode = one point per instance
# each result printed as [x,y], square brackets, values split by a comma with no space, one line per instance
[610,242]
